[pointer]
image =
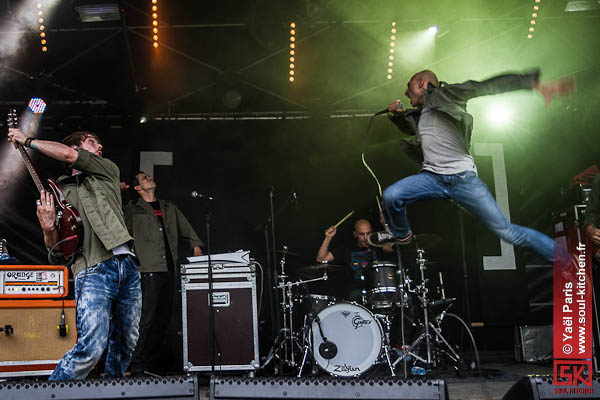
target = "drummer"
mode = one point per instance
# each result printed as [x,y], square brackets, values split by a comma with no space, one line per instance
[356,254]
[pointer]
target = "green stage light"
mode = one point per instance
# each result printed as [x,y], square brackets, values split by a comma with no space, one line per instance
[499,114]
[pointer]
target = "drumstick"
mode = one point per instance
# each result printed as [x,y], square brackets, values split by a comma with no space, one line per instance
[378,203]
[345,218]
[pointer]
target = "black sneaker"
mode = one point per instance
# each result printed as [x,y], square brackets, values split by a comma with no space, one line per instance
[380,239]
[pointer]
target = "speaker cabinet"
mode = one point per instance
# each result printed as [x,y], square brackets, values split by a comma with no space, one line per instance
[33,345]
[542,388]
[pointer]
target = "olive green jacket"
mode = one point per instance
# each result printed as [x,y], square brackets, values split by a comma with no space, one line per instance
[148,236]
[96,194]
[452,100]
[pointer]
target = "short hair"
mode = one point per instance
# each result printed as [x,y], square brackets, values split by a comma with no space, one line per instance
[427,75]
[134,182]
[76,138]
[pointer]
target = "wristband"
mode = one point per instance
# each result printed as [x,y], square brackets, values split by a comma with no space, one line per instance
[28,142]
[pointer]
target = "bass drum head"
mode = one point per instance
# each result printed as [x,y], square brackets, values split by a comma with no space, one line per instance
[356,333]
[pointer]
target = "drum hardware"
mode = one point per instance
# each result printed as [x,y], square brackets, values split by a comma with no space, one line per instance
[286,343]
[430,330]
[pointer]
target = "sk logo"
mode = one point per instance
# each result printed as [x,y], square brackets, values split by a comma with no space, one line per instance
[572,372]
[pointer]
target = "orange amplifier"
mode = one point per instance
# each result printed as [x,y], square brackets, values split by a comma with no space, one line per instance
[33,281]
[35,335]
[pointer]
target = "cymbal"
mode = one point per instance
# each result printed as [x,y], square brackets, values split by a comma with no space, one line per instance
[314,271]
[424,241]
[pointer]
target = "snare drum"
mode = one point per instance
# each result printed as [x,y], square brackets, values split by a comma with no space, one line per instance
[381,283]
[355,335]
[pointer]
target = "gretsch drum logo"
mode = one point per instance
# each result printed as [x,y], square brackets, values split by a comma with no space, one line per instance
[359,322]
[345,368]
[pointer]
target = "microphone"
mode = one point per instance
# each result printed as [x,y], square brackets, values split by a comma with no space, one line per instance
[197,195]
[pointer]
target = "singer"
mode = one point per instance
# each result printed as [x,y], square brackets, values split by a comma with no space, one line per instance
[155,225]
[441,128]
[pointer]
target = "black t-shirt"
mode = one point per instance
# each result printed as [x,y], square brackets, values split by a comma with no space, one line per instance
[158,212]
[358,258]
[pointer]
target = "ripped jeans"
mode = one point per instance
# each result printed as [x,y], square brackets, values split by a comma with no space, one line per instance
[470,192]
[108,312]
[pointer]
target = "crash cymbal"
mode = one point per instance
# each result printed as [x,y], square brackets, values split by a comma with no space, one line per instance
[314,271]
[424,241]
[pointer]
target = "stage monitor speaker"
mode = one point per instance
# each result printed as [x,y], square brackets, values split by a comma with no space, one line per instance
[223,388]
[542,388]
[170,387]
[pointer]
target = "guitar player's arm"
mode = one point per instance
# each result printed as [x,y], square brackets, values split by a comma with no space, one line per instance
[55,150]
[47,215]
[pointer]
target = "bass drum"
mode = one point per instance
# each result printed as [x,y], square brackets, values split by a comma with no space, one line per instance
[355,335]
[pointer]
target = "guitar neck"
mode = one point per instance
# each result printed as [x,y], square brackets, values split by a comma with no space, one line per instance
[31,169]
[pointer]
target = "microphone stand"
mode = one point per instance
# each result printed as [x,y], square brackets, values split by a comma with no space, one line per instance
[211,315]
[276,315]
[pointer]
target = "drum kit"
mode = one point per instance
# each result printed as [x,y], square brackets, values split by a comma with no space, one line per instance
[348,338]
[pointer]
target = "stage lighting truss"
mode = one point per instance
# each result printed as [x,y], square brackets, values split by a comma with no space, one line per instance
[39,10]
[292,71]
[534,16]
[154,23]
[390,64]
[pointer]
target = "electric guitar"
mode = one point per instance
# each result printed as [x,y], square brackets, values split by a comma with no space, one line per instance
[68,222]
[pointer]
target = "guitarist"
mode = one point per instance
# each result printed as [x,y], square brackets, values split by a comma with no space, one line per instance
[107,279]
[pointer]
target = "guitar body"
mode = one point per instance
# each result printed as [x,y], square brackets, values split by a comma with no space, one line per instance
[68,222]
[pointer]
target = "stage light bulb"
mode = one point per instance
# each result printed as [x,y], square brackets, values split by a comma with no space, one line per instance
[154,8]
[391,57]
[393,37]
[153,1]
[534,15]
[292,52]
[538,1]
[43,41]
[42,27]
[39,5]
[536,8]
[155,38]
[291,72]
[389,76]
[292,46]
[391,50]
[291,79]
[390,70]
[155,22]
[531,29]
[41,20]
[154,15]
[499,114]
[393,30]
[43,34]
[532,22]
[293,25]
[394,23]
[40,13]
[292,66]
[530,36]
[155,45]
[44,49]
[155,30]
[292,39]
[293,32]
[292,59]
[433,30]
[392,44]
[391,64]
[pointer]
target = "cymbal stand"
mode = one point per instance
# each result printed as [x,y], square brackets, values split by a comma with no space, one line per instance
[428,326]
[387,349]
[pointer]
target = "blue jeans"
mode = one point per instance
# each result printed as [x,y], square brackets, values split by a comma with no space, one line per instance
[108,312]
[470,192]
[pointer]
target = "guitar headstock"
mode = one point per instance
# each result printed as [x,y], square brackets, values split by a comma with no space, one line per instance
[13,120]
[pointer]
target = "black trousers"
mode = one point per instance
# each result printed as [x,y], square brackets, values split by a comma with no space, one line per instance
[157,304]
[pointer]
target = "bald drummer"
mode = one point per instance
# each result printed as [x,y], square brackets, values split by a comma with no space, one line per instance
[356,254]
